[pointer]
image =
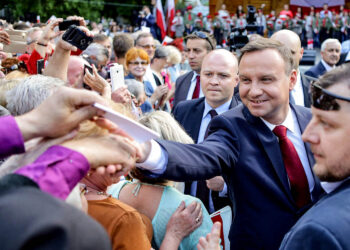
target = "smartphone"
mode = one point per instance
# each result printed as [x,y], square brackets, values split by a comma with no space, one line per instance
[66,23]
[77,37]
[117,76]
[40,66]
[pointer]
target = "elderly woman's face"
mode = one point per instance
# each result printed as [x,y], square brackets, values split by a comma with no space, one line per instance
[137,67]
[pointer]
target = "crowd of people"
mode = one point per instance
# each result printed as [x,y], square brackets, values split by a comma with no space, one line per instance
[234,132]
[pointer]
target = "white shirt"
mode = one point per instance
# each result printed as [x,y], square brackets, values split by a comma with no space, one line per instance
[327,66]
[297,92]
[149,77]
[193,86]
[331,186]
[294,135]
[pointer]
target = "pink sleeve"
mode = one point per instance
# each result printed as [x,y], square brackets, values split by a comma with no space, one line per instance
[57,170]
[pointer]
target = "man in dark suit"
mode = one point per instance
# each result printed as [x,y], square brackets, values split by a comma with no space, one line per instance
[268,173]
[300,93]
[327,224]
[194,116]
[330,54]
[198,45]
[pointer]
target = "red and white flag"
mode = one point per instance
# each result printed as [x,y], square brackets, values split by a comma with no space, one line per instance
[160,18]
[170,6]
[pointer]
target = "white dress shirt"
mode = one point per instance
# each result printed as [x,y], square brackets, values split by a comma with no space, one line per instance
[331,186]
[327,66]
[193,86]
[297,92]
[294,135]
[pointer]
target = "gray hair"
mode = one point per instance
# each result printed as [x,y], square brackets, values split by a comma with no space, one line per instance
[30,93]
[327,41]
[135,87]
[97,50]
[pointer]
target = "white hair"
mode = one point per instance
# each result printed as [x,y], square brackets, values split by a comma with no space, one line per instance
[174,56]
[30,93]
[327,41]
[97,50]
[135,87]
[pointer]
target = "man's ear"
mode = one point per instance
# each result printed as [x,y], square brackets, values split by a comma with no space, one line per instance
[301,53]
[292,79]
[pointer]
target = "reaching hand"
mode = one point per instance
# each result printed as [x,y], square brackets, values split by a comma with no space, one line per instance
[212,241]
[4,37]
[97,83]
[60,113]
[216,184]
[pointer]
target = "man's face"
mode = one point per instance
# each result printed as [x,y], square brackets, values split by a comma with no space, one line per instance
[196,50]
[264,86]
[218,79]
[147,43]
[107,44]
[328,134]
[331,54]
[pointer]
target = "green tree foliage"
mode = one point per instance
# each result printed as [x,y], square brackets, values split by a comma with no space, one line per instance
[61,8]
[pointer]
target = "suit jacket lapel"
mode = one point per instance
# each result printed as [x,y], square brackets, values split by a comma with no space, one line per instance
[196,119]
[306,89]
[271,148]
[186,85]
[303,120]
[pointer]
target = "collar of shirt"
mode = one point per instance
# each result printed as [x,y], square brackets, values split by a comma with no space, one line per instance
[347,58]
[193,86]
[221,109]
[288,122]
[206,118]
[327,66]
[194,76]
[331,186]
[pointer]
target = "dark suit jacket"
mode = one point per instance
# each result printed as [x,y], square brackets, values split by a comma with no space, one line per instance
[189,114]
[342,58]
[316,71]
[246,152]
[183,84]
[325,226]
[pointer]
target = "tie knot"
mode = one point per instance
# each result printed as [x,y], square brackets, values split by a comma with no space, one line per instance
[280,131]
[213,113]
[198,77]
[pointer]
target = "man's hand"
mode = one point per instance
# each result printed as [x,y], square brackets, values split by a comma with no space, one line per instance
[114,151]
[97,83]
[60,113]
[4,37]
[212,241]
[122,95]
[216,184]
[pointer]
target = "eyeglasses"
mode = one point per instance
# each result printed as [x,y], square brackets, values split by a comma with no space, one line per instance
[324,99]
[202,35]
[83,189]
[148,46]
[138,63]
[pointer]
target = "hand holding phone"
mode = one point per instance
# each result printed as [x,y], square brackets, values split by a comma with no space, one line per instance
[77,37]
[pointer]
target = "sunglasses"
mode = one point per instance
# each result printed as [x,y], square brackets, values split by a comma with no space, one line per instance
[139,63]
[324,99]
[202,35]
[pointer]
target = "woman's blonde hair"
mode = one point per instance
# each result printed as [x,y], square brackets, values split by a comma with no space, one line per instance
[174,56]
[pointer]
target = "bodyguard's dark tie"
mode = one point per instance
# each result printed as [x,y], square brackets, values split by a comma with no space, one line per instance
[197,89]
[294,168]
[202,189]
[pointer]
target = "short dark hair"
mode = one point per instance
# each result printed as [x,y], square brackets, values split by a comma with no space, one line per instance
[340,74]
[210,37]
[122,43]
[100,38]
[265,43]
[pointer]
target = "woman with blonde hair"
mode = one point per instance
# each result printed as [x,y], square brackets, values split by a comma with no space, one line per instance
[155,197]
